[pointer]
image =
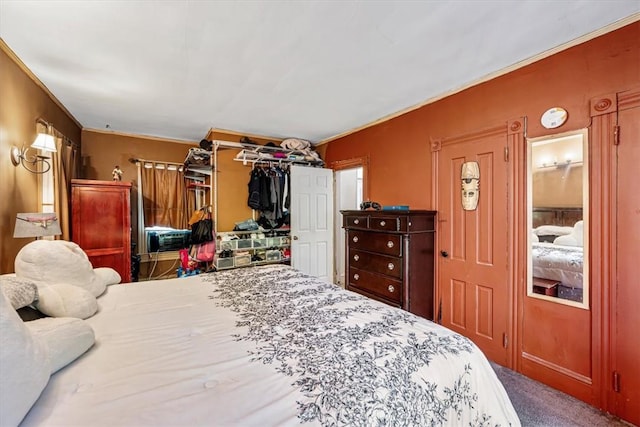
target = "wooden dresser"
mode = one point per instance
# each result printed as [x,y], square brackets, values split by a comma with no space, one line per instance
[101,223]
[390,257]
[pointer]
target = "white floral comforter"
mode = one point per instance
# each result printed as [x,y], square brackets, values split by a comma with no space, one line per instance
[557,262]
[268,346]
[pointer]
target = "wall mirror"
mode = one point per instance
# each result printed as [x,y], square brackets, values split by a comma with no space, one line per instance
[558,191]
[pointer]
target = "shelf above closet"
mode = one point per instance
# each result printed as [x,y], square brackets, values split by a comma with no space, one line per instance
[264,153]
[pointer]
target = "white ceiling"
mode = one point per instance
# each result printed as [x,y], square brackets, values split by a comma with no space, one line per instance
[307,69]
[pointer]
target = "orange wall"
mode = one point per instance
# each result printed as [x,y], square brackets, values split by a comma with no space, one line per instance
[399,149]
[22,101]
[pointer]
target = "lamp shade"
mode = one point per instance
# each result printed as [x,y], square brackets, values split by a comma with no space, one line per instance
[45,142]
[36,225]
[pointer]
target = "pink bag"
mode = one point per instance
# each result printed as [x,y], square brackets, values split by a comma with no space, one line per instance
[206,251]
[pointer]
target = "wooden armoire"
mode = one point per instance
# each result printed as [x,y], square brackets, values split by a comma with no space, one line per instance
[101,223]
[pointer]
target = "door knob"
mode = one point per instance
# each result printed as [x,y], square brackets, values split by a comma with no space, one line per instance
[444,254]
[295,237]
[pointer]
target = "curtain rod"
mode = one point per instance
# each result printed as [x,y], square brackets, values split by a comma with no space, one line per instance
[134,160]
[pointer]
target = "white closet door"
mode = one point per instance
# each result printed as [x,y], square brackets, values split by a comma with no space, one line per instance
[312,221]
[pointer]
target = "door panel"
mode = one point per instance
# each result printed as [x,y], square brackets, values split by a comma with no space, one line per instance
[474,274]
[626,352]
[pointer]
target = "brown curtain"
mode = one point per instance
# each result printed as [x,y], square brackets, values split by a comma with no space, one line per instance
[66,166]
[163,196]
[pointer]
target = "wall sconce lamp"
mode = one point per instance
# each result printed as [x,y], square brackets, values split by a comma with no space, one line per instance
[45,141]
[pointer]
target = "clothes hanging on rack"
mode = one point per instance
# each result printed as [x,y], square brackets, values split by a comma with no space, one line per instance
[269,194]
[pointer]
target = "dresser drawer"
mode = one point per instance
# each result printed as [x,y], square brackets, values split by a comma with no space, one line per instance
[388,223]
[356,221]
[384,243]
[376,284]
[376,263]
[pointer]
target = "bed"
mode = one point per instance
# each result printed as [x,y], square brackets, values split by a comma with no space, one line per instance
[557,248]
[268,346]
[558,262]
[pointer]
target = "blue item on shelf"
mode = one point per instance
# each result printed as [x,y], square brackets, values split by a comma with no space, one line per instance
[396,208]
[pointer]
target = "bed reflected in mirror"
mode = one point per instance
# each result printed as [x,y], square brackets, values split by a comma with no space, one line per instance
[558,219]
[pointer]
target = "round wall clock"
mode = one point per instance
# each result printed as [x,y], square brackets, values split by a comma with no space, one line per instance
[554,117]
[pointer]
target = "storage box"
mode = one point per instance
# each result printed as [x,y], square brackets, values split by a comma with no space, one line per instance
[273,255]
[244,243]
[227,244]
[242,260]
[259,243]
[222,263]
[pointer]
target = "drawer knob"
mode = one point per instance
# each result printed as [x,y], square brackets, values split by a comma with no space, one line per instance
[391,288]
[356,257]
[355,239]
[383,223]
[390,266]
[356,221]
[389,244]
[356,276]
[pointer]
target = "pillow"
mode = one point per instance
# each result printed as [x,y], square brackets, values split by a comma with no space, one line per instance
[108,275]
[552,230]
[19,291]
[576,238]
[65,338]
[24,366]
[58,261]
[64,300]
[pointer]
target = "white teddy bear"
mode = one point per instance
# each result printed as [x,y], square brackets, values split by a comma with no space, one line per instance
[67,282]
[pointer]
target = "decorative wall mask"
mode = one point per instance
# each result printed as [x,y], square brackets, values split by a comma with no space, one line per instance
[470,185]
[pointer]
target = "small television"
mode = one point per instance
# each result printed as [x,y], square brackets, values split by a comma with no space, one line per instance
[163,239]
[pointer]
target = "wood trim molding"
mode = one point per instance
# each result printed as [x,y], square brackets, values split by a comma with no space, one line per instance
[629,99]
[482,133]
[557,368]
[11,54]
[603,105]
[517,217]
[354,163]
[139,136]
[436,145]
[602,245]
[349,163]
[517,126]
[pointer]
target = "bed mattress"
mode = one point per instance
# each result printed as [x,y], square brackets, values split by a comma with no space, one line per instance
[268,346]
[557,262]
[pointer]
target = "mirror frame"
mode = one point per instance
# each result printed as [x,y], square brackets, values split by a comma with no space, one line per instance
[585,304]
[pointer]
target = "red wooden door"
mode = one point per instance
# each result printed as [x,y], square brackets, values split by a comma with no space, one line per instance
[473,270]
[626,339]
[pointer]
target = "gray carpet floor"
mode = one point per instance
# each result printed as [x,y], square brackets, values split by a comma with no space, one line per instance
[539,405]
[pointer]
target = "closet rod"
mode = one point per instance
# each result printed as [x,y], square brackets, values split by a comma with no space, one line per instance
[134,160]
